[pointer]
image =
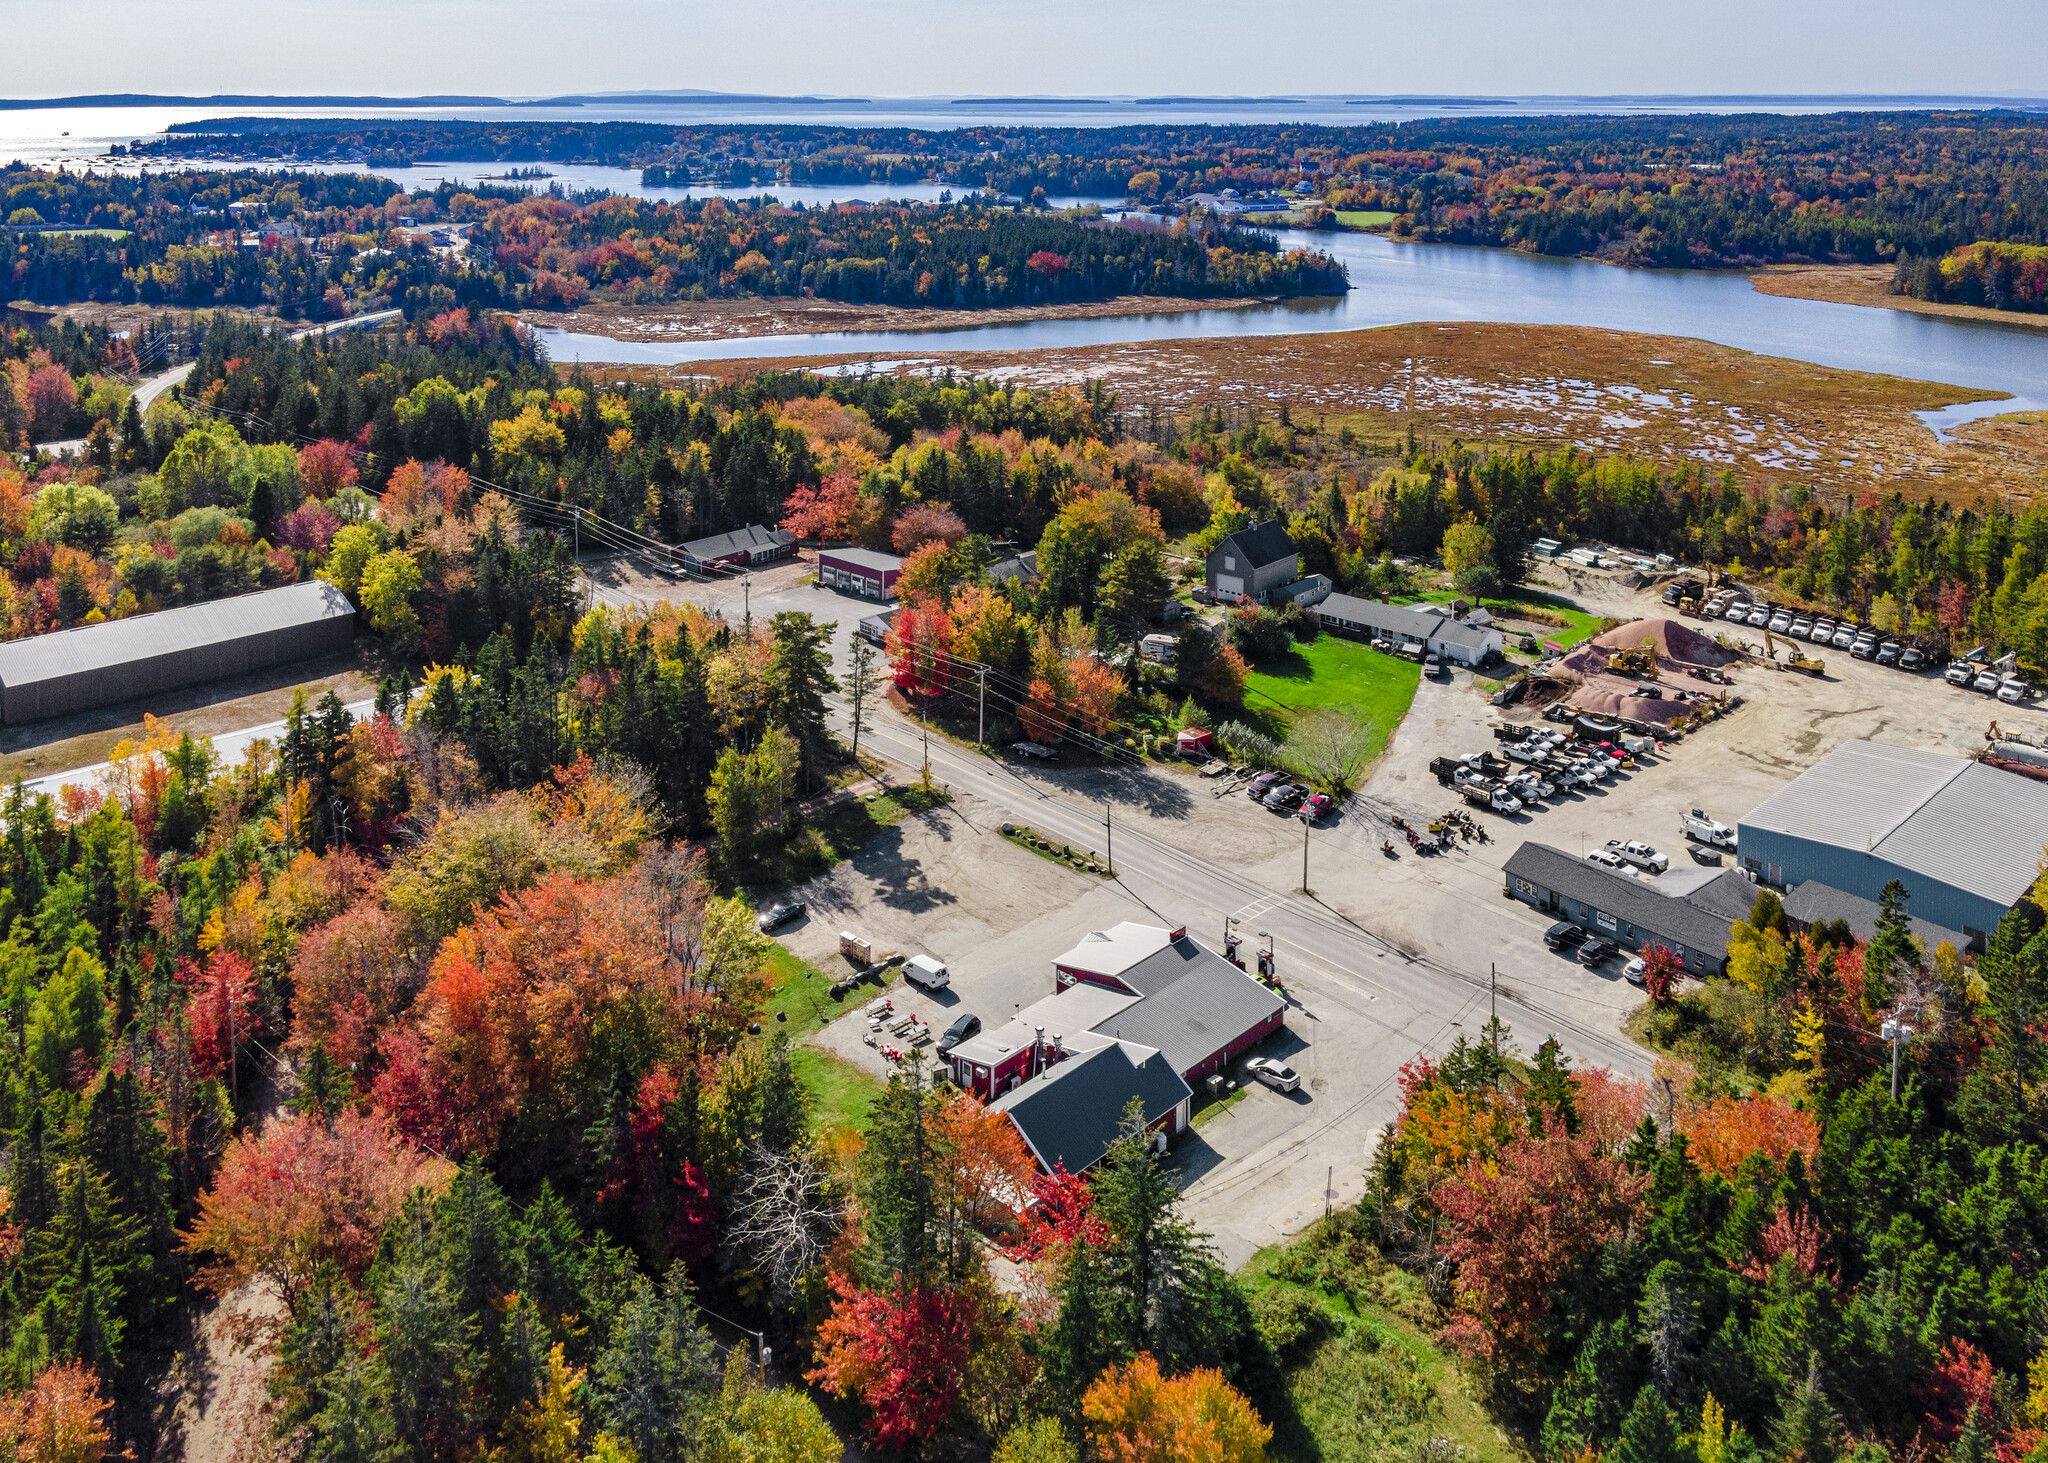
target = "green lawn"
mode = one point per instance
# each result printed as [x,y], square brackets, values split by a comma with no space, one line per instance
[1371,218]
[800,995]
[1331,673]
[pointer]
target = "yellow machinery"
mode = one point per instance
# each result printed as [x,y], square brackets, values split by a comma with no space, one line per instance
[1805,664]
[1642,661]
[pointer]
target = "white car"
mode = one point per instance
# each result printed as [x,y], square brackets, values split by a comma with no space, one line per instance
[1524,751]
[1274,1073]
[2012,691]
[1607,859]
[1987,682]
[1636,972]
[1640,854]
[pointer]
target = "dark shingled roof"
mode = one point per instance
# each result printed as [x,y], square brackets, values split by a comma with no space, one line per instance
[1811,902]
[1622,895]
[1420,622]
[1195,1004]
[1072,1113]
[739,540]
[1727,894]
[1262,543]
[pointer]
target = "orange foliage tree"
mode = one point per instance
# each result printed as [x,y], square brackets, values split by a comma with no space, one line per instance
[982,1176]
[303,1192]
[1726,1131]
[904,1355]
[61,1418]
[223,1009]
[351,979]
[1134,1415]
[920,646]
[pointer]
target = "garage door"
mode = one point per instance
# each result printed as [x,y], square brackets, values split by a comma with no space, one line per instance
[1229,584]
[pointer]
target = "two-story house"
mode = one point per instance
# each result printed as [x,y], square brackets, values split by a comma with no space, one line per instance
[1252,563]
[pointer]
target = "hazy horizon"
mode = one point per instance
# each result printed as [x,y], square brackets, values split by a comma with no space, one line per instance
[911,49]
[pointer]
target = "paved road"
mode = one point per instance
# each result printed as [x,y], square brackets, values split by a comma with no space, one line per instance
[148,391]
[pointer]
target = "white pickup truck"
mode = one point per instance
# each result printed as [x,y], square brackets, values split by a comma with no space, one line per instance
[1698,826]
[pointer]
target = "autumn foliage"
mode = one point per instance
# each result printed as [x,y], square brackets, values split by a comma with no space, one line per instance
[1725,1132]
[903,1355]
[61,1418]
[1135,1415]
[301,1193]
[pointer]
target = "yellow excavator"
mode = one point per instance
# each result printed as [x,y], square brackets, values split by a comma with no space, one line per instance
[1796,659]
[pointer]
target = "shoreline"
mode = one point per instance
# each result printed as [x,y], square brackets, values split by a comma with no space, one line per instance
[1867,285]
[755,317]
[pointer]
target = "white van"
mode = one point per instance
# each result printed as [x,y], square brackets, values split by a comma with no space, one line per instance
[924,971]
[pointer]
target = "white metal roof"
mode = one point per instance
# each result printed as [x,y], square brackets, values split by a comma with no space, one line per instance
[63,653]
[1112,951]
[1967,825]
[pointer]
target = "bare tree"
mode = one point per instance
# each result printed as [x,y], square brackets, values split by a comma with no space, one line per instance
[1332,748]
[861,688]
[784,1216]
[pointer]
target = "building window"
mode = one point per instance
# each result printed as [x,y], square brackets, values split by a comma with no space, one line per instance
[1523,886]
[1229,562]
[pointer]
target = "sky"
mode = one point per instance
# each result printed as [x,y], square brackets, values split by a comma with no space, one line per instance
[883,48]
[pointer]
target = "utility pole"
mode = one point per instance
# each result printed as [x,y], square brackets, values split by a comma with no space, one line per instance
[1493,1008]
[1108,838]
[981,714]
[576,533]
[1898,1033]
[747,603]
[1304,858]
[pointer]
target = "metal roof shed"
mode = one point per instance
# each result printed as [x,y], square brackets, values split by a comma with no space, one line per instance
[98,665]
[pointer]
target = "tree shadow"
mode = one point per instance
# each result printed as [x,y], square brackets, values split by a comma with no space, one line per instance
[902,879]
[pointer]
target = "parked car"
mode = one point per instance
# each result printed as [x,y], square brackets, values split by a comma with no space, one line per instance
[1636,972]
[1275,1073]
[1285,799]
[1801,628]
[1640,854]
[1701,854]
[1607,858]
[1264,783]
[2012,690]
[1596,950]
[962,1028]
[1986,681]
[777,915]
[1564,935]
[1317,805]
[1036,750]
[1912,658]
[1888,653]
[925,971]
[1959,673]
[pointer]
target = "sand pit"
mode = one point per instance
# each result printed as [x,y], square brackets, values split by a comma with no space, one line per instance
[1674,642]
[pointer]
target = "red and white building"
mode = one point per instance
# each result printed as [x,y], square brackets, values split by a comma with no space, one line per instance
[1137,1011]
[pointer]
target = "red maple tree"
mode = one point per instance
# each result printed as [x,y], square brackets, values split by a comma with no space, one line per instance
[903,1355]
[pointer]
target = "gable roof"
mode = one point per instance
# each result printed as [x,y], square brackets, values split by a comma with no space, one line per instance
[1194,1004]
[1406,619]
[1622,895]
[1023,566]
[1727,895]
[62,653]
[1071,1113]
[1115,950]
[1261,543]
[739,540]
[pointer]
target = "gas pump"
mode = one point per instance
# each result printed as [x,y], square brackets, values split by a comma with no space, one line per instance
[1266,956]
[1231,941]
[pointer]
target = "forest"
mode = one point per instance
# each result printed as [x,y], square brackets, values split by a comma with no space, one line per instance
[1669,190]
[174,241]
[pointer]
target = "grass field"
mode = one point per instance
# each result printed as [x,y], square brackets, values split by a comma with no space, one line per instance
[1370,218]
[1377,1386]
[1330,673]
[800,996]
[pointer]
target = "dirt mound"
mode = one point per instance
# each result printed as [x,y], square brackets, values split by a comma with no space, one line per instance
[1605,696]
[1674,642]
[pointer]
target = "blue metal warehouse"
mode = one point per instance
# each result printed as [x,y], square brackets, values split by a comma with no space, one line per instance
[1965,839]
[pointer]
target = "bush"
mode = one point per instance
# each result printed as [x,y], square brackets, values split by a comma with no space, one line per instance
[1257,632]
[1247,745]
[1294,1322]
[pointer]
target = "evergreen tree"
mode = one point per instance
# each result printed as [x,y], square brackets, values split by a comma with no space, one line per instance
[659,1372]
[799,679]
[785,1104]
[356,1425]
[1649,1434]
[474,1226]
[1551,1088]
[422,1341]
[316,1347]
[895,1182]
[1809,1430]
[549,1252]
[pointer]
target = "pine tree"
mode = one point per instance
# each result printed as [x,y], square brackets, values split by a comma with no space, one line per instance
[800,677]
[1809,1430]
[550,1255]
[35,1191]
[422,1341]
[123,1140]
[1649,1434]
[895,1182]
[785,1104]
[316,1348]
[1149,1242]
[324,1089]
[474,1224]
[659,1373]
[356,1426]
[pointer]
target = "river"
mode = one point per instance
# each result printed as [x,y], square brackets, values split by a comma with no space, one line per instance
[1396,283]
